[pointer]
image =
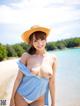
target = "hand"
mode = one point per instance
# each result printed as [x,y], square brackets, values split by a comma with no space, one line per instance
[12,103]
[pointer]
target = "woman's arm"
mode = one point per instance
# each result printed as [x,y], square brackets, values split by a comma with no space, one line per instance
[16,84]
[52,83]
[18,79]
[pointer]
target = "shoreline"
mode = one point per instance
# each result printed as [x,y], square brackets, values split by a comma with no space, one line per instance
[67,79]
[12,58]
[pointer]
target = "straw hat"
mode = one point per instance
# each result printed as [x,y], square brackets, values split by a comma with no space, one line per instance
[25,36]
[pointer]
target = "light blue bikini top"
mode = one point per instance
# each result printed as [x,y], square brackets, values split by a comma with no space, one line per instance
[31,86]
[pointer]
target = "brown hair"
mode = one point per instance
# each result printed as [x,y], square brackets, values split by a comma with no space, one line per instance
[38,35]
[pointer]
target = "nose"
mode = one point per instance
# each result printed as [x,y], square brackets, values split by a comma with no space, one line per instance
[39,42]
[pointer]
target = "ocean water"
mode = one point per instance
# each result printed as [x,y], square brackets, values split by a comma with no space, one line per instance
[68,77]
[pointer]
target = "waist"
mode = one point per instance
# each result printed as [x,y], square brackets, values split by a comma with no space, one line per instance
[32,88]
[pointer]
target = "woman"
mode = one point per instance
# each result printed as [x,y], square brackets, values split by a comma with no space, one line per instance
[36,74]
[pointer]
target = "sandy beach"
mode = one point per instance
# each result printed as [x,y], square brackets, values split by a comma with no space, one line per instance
[8,72]
[67,78]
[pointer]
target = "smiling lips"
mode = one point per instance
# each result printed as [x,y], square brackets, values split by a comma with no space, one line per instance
[40,46]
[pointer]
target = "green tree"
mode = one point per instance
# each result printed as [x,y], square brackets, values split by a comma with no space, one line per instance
[60,44]
[3,52]
[51,46]
[24,46]
[19,50]
[10,51]
[76,41]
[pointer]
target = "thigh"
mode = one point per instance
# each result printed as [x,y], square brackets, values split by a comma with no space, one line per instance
[38,102]
[19,101]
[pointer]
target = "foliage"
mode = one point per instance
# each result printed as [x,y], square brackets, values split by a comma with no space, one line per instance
[3,52]
[18,49]
[24,46]
[67,43]
[10,51]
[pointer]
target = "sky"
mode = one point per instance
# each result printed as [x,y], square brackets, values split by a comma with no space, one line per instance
[17,16]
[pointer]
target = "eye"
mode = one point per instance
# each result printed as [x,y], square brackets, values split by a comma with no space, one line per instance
[42,38]
[35,40]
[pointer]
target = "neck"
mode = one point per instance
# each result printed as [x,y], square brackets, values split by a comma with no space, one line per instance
[40,52]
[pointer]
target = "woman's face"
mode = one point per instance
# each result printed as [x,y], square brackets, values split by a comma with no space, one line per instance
[39,44]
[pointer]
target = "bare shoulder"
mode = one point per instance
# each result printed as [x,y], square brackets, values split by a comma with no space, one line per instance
[53,58]
[54,62]
[24,58]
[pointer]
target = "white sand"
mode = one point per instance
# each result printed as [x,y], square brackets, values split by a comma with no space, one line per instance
[8,72]
[64,92]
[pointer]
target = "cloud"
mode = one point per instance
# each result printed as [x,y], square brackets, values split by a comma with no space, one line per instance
[39,15]
[25,11]
[36,3]
[62,17]
[30,3]
[8,2]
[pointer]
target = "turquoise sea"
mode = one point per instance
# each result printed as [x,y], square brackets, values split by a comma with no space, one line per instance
[68,77]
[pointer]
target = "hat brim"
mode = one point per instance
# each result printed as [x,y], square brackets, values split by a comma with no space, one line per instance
[25,36]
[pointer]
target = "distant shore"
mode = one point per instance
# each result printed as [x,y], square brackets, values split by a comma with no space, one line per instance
[77,47]
[13,58]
